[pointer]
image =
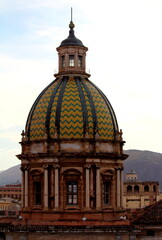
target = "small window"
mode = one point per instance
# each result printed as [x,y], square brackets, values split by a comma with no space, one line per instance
[71,60]
[63,61]
[146,188]
[106,192]
[72,192]
[38,197]
[79,61]
[136,189]
[129,189]
[154,188]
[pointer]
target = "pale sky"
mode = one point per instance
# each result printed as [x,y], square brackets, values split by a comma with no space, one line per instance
[124,38]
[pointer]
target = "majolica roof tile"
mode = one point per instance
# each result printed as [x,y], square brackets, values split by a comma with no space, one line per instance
[71,107]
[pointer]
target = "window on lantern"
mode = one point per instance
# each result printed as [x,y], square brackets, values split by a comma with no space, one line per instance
[63,61]
[106,192]
[37,190]
[79,61]
[71,60]
[72,192]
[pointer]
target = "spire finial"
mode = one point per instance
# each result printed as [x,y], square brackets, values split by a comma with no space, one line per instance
[71,25]
[71,14]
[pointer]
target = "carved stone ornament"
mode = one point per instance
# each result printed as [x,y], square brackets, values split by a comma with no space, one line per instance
[87,166]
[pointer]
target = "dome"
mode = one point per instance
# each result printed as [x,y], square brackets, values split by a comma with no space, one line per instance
[71,107]
[71,40]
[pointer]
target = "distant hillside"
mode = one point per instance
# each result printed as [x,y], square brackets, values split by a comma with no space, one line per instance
[147,164]
[11,175]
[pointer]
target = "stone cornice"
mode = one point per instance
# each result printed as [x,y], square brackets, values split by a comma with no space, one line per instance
[73,155]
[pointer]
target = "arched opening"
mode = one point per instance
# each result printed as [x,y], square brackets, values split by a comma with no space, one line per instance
[146,188]
[154,188]
[136,189]
[129,189]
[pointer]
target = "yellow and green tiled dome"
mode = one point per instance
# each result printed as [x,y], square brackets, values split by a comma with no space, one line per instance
[71,108]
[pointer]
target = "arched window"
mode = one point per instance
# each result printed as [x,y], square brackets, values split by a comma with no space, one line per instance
[146,188]
[129,189]
[136,189]
[154,188]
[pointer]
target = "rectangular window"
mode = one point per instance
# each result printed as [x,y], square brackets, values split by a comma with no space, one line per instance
[79,61]
[106,192]
[72,192]
[63,61]
[37,191]
[71,60]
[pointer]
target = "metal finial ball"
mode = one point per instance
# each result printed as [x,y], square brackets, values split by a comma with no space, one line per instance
[71,25]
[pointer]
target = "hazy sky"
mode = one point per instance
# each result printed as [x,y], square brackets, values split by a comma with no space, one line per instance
[124,38]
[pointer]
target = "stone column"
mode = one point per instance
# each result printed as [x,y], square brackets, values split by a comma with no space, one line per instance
[118,187]
[98,188]
[87,185]
[56,195]
[45,187]
[121,188]
[76,61]
[22,188]
[84,62]
[26,188]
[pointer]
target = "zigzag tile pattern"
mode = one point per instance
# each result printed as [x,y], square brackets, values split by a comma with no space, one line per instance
[89,114]
[71,119]
[37,127]
[52,127]
[104,120]
[71,112]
